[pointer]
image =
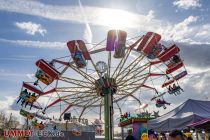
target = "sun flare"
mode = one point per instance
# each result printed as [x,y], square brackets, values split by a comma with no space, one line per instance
[117,19]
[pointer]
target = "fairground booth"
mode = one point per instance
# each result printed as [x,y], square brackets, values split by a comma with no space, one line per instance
[138,124]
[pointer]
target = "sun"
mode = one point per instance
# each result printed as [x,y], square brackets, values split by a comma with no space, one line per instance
[117,19]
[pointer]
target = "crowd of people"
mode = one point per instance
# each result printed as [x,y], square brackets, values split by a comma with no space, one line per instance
[173,135]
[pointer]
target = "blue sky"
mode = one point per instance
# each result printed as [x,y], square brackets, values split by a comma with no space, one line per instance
[30,30]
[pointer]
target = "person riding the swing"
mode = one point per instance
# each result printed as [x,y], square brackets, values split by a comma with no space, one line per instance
[176,59]
[177,88]
[31,100]
[24,93]
[159,101]
[170,89]
[26,100]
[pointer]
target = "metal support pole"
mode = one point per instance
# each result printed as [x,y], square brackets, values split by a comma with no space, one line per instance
[196,132]
[108,116]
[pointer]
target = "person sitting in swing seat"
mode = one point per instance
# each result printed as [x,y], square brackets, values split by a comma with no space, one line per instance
[23,101]
[176,59]
[177,88]
[170,89]
[26,102]
[79,58]
[32,102]
[27,95]
[159,101]
[180,88]
[24,92]
[33,94]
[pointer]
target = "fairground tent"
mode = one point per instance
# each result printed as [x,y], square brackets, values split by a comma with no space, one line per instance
[185,114]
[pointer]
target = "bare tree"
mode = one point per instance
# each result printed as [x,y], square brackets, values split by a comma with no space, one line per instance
[8,122]
[3,120]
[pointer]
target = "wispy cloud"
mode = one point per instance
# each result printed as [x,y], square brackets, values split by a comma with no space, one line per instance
[31,76]
[180,32]
[187,4]
[94,15]
[88,36]
[150,15]
[31,28]
[36,44]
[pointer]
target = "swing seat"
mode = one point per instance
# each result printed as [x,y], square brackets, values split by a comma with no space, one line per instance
[48,69]
[181,75]
[169,53]
[174,67]
[46,73]
[27,114]
[30,116]
[23,95]
[79,59]
[40,126]
[79,52]
[116,40]
[148,42]
[45,78]
[120,52]
[177,77]
[155,51]
[32,99]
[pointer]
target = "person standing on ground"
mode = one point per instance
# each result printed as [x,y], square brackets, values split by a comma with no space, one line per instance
[176,135]
[130,136]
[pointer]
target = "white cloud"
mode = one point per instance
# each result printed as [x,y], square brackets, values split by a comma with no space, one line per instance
[204,31]
[31,28]
[30,76]
[5,104]
[7,107]
[187,4]
[183,31]
[37,44]
[94,15]
[150,15]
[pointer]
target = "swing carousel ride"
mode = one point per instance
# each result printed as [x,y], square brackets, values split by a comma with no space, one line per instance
[103,77]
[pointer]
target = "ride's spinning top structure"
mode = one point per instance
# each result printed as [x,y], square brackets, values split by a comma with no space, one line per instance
[103,76]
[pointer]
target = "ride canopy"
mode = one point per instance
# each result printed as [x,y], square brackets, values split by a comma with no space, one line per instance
[189,112]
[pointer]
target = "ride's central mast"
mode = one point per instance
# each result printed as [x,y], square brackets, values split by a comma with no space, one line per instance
[108,116]
[106,87]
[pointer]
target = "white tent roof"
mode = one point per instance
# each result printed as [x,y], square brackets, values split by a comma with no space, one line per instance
[188,112]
